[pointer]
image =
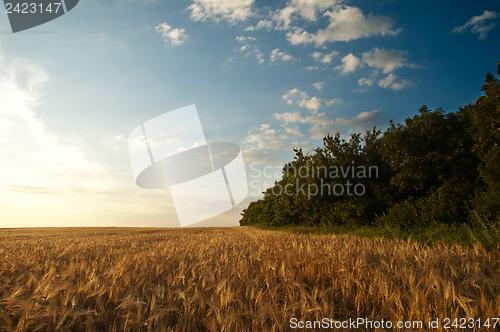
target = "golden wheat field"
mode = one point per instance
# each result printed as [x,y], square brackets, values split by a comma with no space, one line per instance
[233,279]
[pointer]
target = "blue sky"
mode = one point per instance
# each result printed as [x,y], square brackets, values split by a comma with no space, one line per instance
[268,76]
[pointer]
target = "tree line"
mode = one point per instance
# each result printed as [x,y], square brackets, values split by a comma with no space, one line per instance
[435,168]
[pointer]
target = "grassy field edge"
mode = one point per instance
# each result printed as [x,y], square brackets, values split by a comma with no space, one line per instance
[482,236]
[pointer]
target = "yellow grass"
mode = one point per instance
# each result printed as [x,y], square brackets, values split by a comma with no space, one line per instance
[232,279]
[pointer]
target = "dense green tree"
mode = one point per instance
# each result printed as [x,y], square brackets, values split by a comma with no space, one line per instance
[484,116]
[428,150]
[435,169]
[318,188]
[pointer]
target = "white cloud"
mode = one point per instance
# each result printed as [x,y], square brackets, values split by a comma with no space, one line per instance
[265,134]
[277,55]
[173,36]
[363,121]
[324,57]
[349,63]
[259,56]
[386,82]
[289,117]
[319,122]
[243,38]
[345,23]
[263,24]
[263,143]
[478,24]
[301,98]
[365,81]
[229,10]
[332,101]
[305,9]
[401,85]
[250,49]
[391,81]
[296,96]
[312,104]
[379,59]
[296,117]
[387,60]
[319,85]
[298,36]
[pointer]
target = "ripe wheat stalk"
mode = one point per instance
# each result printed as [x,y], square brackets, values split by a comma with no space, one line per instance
[231,279]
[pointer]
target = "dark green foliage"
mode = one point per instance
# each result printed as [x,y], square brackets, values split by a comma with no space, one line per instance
[484,116]
[430,149]
[314,190]
[437,169]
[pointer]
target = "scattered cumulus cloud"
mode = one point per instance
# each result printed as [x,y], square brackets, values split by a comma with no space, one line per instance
[319,85]
[480,24]
[243,38]
[386,82]
[290,117]
[349,64]
[229,10]
[319,122]
[361,122]
[323,57]
[345,23]
[333,101]
[277,55]
[365,81]
[266,144]
[302,99]
[171,36]
[381,61]
[263,143]
[263,24]
[387,60]
[378,58]
[401,84]
[264,134]
[249,49]
[392,81]
[259,56]
[305,9]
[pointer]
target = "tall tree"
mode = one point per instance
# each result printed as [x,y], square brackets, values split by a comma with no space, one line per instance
[484,116]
